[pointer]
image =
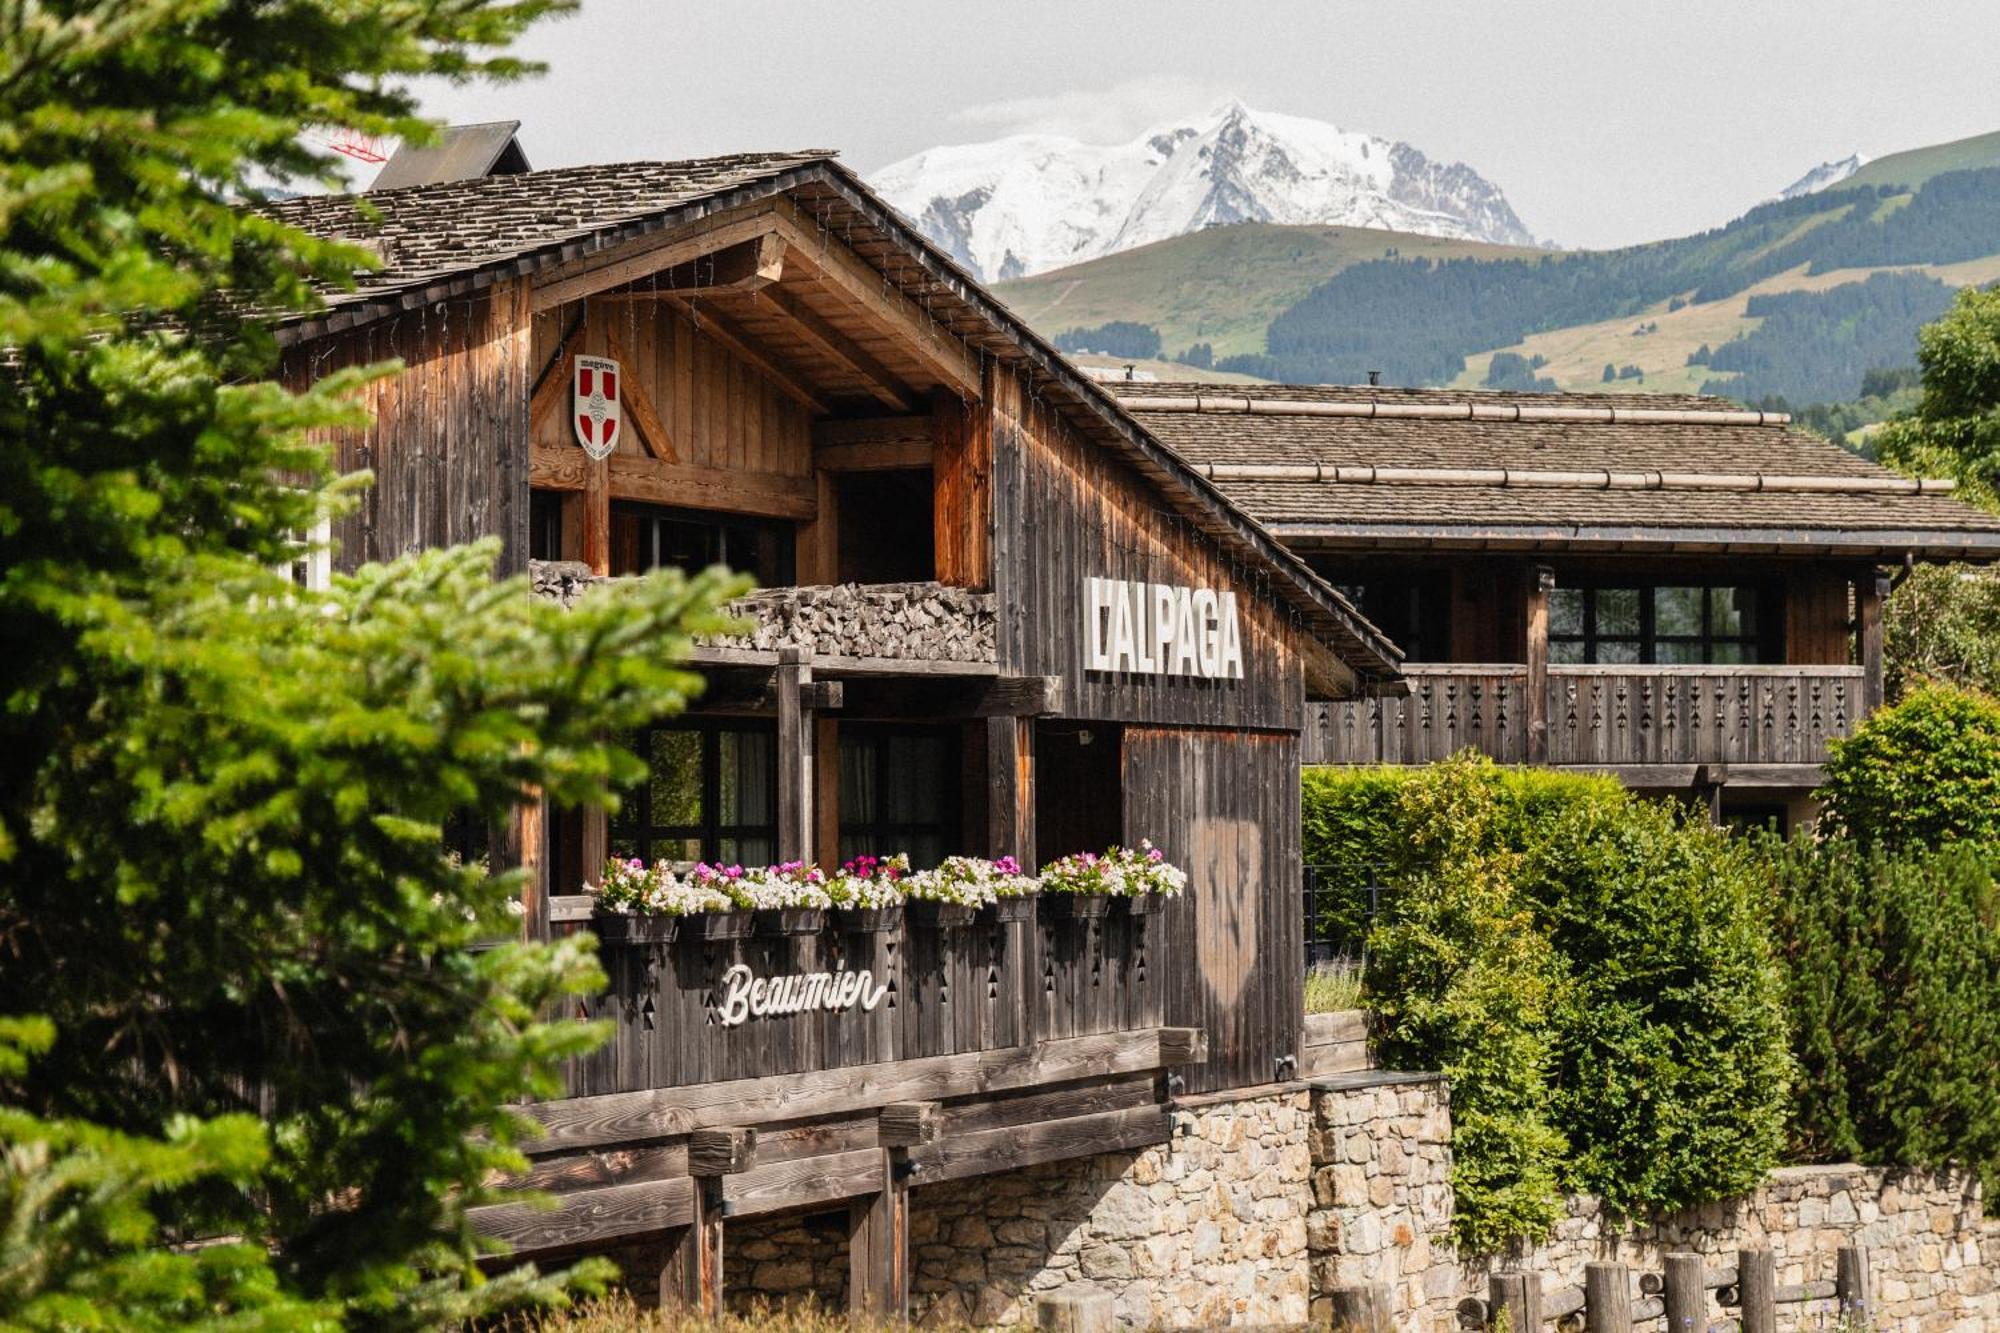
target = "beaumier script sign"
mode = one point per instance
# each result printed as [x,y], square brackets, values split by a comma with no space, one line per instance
[1161,629]
[745,995]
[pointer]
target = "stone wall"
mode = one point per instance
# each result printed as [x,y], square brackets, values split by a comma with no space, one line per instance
[1382,1208]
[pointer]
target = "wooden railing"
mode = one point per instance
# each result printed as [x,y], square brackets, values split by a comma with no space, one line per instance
[1610,717]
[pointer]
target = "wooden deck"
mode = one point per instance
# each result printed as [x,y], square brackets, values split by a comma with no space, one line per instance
[1767,724]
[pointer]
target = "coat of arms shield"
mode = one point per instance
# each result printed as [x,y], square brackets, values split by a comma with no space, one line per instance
[597,413]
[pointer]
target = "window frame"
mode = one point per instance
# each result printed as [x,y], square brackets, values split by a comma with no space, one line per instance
[643,833]
[1759,646]
[887,837]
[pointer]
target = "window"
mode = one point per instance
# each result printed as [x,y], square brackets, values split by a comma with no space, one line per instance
[885,531]
[1415,612]
[545,535]
[710,794]
[1665,624]
[644,538]
[899,791]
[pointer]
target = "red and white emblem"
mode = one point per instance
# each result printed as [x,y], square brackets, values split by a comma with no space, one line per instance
[597,413]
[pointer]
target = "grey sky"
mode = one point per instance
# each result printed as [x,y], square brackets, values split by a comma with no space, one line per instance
[1604,122]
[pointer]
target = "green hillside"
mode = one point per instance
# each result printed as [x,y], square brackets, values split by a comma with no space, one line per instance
[1917,165]
[1222,286]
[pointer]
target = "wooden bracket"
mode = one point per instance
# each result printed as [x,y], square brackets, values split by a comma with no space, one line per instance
[1183,1046]
[726,1151]
[908,1124]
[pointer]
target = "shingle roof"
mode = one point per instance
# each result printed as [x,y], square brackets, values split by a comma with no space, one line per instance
[457,236]
[1715,440]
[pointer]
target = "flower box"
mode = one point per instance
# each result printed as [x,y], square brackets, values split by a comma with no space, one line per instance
[868,920]
[1020,907]
[721,925]
[634,927]
[791,920]
[932,915]
[1077,906]
[1145,904]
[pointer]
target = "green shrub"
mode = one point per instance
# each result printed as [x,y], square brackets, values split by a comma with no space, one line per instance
[1464,984]
[1893,975]
[1673,1056]
[1921,773]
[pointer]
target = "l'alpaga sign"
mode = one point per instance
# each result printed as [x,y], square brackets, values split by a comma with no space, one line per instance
[596,410]
[1161,629]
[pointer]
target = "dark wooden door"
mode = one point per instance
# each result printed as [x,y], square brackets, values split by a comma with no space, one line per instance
[1079,788]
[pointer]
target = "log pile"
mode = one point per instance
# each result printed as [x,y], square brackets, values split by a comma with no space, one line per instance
[929,622]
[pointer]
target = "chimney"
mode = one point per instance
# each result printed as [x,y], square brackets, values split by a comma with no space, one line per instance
[1131,371]
[1374,378]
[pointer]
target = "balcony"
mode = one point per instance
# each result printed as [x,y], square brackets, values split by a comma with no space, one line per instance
[1653,725]
[919,628]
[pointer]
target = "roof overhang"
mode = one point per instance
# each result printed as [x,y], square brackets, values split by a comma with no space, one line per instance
[1872,544]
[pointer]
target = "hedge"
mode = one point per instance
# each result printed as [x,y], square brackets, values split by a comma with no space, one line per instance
[1922,773]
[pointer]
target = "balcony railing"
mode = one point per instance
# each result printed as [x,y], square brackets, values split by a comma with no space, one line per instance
[1599,716]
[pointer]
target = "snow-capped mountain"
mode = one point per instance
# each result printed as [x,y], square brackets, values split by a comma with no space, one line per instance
[1031,202]
[1824,175]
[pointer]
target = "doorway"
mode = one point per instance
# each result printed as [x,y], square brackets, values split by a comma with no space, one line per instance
[1079,788]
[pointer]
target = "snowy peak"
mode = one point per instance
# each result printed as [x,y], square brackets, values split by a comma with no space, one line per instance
[1031,202]
[1823,176]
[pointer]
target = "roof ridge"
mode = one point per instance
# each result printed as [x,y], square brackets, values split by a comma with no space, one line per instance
[1465,409]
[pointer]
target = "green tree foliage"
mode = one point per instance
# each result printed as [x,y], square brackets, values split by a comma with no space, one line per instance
[1657,1023]
[1463,983]
[1121,337]
[1893,968]
[1821,346]
[1942,624]
[221,797]
[1610,375]
[1201,355]
[1511,370]
[1672,1041]
[1921,773]
[1956,426]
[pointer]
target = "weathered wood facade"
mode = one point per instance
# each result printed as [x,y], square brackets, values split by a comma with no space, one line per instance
[809,389]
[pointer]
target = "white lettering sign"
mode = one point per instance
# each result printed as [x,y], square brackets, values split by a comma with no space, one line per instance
[1161,629]
[746,995]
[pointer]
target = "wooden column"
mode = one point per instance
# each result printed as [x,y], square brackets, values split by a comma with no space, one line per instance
[692,1275]
[826,788]
[1607,1295]
[1851,1287]
[1685,1292]
[962,490]
[797,740]
[521,844]
[595,546]
[878,1245]
[1010,776]
[1541,582]
[1870,592]
[1362,1309]
[1757,1290]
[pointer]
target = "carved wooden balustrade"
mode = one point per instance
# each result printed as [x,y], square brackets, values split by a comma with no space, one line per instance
[1597,716]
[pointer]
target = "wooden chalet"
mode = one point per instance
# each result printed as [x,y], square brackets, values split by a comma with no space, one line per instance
[1660,587]
[946,520]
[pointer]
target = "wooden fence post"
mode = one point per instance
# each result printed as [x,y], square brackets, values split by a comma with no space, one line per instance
[1850,1280]
[1686,1294]
[1607,1294]
[1757,1288]
[1361,1309]
[1520,1295]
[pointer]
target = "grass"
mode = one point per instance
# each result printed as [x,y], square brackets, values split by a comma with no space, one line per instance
[1917,165]
[621,1314]
[1330,990]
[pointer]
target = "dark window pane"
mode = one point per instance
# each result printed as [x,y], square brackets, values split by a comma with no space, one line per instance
[860,803]
[1618,611]
[1678,652]
[1566,611]
[1733,654]
[1566,650]
[1733,612]
[747,791]
[1677,611]
[1617,652]
[754,851]
[675,764]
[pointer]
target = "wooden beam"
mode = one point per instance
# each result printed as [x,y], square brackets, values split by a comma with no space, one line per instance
[588,1217]
[1541,582]
[720,331]
[962,482]
[1010,777]
[1871,590]
[725,1150]
[647,255]
[852,279]
[551,392]
[907,1124]
[993,696]
[578,1123]
[804,1182]
[831,342]
[688,485]
[596,513]
[691,1278]
[839,432]
[747,266]
[639,403]
[797,734]
[878,1247]
[986,1151]
[888,456]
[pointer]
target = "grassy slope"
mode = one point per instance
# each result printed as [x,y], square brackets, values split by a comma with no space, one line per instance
[1222,286]
[1918,165]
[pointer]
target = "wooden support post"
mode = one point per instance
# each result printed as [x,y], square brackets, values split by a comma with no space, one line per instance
[1851,1287]
[521,844]
[1363,1309]
[908,1124]
[596,838]
[596,544]
[962,489]
[692,1276]
[878,1246]
[1010,774]
[826,788]
[1869,594]
[1541,582]
[1507,1297]
[726,1150]
[1757,1290]
[1685,1293]
[1607,1295]
[797,735]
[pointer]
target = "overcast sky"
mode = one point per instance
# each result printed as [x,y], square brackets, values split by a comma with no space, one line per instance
[1604,121]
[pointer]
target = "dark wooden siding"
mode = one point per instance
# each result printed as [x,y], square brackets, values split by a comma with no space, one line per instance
[1225,806]
[1066,509]
[449,444]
